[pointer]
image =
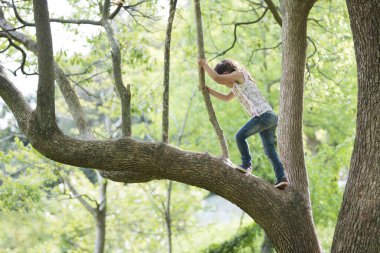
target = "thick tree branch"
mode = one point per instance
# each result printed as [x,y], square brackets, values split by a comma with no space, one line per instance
[15,100]
[202,82]
[45,108]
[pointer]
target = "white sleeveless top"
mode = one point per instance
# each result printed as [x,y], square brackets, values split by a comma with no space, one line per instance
[250,96]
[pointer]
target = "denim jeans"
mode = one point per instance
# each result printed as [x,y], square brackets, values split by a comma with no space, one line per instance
[265,125]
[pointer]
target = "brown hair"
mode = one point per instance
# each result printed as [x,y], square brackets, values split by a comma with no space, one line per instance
[226,65]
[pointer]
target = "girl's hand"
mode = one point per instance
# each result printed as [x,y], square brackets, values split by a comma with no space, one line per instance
[201,62]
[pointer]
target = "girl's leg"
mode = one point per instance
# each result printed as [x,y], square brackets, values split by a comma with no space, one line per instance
[267,137]
[253,126]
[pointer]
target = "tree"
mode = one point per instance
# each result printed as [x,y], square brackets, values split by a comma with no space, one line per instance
[358,227]
[129,160]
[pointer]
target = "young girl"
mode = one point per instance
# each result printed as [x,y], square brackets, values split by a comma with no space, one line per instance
[263,121]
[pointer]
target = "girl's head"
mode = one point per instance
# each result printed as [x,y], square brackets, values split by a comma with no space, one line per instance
[226,66]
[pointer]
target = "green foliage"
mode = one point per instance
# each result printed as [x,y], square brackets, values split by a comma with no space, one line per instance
[245,241]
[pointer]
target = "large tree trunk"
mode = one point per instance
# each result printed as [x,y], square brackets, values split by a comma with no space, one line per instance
[358,227]
[294,30]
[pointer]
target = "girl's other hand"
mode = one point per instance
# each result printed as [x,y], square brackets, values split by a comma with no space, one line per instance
[201,62]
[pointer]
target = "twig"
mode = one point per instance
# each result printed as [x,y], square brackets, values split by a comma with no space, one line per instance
[264,48]
[236,25]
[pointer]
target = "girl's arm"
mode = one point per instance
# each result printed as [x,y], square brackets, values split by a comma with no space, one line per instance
[223,97]
[225,79]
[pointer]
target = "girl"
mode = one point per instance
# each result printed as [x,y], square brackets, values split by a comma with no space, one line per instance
[263,121]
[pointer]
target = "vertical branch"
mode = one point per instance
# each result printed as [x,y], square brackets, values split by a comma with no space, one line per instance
[45,94]
[128,112]
[168,219]
[294,30]
[202,82]
[101,218]
[165,113]
[165,101]
[116,65]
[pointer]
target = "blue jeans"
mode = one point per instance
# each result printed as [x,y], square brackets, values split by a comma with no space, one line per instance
[264,124]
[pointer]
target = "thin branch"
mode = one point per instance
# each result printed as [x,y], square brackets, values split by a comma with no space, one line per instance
[181,132]
[91,77]
[165,100]
[274,11]
[25,23]
[23,59]
[116,67]
[128,112]
[84,71]
[137,22]
[87,92]
[264,48]
[75,21]
[80,197]
[315,47]
[236,25]
[202,83]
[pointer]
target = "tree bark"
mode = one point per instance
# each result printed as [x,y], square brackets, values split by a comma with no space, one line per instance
[101,218]
[358,227]
[202,82]
[45,109]
[165,100]
[294,32]
[116,67]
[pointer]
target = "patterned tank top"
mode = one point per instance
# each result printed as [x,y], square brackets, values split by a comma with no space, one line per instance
[250,96]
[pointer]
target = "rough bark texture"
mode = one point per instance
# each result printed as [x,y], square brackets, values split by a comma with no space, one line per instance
[165,100]
[202,82]
[294,30]
[45,95]
[292,81]
[100,218]
[358,227]
[116,67]
[165,115]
